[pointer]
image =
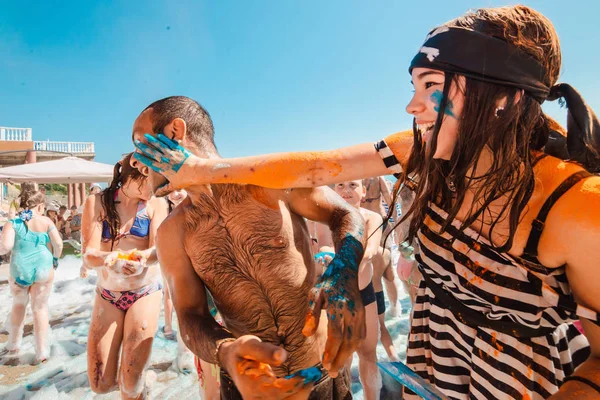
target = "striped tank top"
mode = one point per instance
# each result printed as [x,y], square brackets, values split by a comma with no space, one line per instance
[487,325]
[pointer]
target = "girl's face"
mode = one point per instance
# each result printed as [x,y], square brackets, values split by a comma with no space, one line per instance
[177,196]
[425,105]
[51,214]
[351,191]
[138,188]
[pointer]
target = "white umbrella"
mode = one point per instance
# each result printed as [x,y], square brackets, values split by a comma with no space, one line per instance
[64,170]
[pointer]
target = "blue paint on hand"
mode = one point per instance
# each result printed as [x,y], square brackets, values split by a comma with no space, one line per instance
[437,97]
[161,154]
[324,254]
[312,374]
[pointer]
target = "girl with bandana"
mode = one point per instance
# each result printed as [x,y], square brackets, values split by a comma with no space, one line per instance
[31,268]
[498,184]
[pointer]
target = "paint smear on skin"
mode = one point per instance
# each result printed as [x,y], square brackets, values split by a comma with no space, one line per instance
[282,171]
[260,194]
[437,97]
[324,254]
[261,370]
[311,374]
[310,325]
[219,166]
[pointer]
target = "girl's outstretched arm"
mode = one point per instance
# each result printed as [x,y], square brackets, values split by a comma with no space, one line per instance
[278,171]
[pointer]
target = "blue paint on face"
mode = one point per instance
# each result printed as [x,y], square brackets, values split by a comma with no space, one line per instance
[437,97]
[312,374]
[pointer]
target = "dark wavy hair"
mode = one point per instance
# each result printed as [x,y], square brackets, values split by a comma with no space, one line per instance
[509,137]
[122,173]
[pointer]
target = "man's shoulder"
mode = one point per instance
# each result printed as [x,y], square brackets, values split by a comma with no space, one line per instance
[173,225]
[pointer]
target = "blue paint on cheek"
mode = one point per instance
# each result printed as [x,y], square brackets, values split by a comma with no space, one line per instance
[437,97]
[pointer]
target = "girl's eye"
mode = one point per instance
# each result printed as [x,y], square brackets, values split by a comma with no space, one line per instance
[429,84]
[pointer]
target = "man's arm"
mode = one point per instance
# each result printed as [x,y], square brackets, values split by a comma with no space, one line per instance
[199,329]
[337,290]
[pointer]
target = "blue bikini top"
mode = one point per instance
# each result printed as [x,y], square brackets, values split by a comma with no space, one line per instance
[139,230]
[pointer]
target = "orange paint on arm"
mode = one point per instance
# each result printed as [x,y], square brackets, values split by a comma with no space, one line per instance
[307,169]
[282,170]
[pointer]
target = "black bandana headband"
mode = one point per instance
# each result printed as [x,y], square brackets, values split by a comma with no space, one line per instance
[482,57]
[490,59]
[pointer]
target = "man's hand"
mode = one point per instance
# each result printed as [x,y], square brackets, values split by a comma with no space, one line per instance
[248,361]
[337,292]
[168,158]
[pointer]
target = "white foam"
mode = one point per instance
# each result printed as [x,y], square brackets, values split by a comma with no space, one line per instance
[64,375]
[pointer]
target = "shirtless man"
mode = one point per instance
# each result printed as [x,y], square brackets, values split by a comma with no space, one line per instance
[250,248]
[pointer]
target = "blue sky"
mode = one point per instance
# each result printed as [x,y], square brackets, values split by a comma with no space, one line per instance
[274,75]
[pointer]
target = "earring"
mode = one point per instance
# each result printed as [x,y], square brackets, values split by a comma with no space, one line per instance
[498,112]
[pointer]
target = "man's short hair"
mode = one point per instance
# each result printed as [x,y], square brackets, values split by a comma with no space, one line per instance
[200,128]
[63,207]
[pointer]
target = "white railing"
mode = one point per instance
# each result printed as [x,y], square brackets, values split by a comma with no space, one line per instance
[65,147]
[15,134]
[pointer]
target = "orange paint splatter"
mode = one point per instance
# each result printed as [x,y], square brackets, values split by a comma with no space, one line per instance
[129,256]
[526,396]
[495,341]
[496,299]
[476,280]
[310,325]
[260,370]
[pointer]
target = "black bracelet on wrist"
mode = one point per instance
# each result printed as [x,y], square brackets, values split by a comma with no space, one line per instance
[591,384]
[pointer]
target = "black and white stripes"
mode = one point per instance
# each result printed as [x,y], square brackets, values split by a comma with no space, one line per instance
[522,344]
[388,157]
